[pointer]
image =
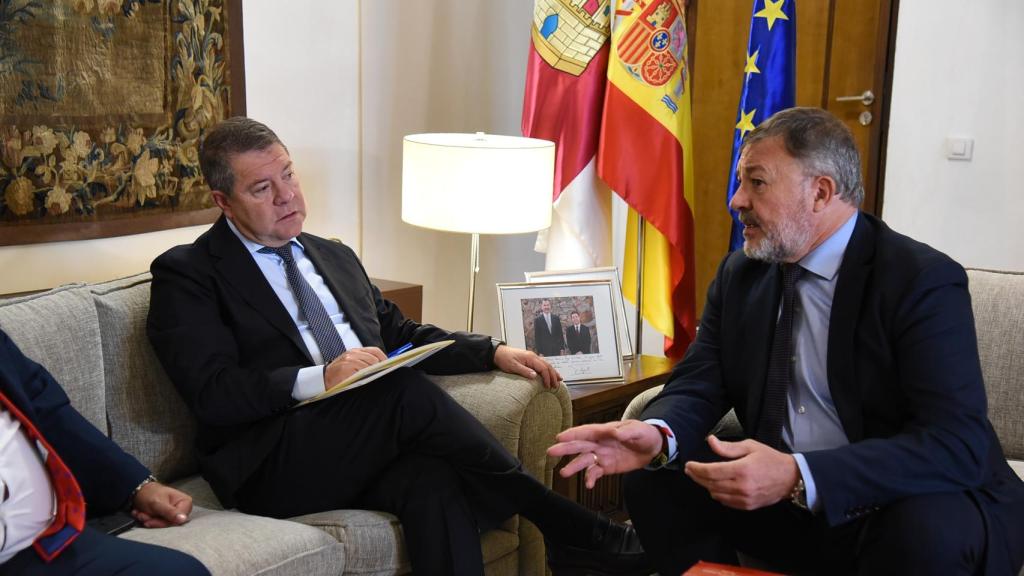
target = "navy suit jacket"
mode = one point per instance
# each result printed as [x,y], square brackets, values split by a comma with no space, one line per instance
[233,352]
[106,474]
[903,371]
[548,342]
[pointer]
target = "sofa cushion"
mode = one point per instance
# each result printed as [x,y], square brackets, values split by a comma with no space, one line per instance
[374,543]
[58,329]
[236,544]
[147,416]
[996,298]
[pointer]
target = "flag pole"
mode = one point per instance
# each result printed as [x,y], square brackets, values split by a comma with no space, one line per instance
[639,285]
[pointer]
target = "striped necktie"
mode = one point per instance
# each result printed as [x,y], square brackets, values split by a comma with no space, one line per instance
[69,520]
[312,309]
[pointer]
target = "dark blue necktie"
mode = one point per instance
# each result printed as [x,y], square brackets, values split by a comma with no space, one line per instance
[780,366]
[324,332]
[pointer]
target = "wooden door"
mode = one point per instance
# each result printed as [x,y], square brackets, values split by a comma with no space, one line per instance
[843,49]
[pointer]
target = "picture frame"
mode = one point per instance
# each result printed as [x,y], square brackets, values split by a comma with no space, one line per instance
[583,352]
[610,273]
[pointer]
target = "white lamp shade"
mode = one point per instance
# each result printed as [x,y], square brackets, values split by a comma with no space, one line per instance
[477,183]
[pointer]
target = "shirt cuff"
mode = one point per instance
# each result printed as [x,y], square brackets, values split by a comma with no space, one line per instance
[805,473]
[308,383]
[671,438]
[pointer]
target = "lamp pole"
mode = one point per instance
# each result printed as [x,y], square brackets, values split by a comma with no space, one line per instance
[474,267]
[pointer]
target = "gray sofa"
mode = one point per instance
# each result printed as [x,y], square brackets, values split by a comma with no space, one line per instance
[92,338]
[998,302]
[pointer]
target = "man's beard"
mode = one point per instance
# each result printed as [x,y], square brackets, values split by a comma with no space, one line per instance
[782,241]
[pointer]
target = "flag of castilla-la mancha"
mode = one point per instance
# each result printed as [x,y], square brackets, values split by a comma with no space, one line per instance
[626,98]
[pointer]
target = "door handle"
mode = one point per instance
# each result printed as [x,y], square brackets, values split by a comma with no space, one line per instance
[867,98]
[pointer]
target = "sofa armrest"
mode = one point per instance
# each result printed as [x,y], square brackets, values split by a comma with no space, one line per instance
[727,428]
[524,416]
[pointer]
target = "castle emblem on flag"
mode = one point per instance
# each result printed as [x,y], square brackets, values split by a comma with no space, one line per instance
[569,33]
[653,41]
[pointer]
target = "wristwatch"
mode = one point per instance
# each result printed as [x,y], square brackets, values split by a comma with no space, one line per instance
[661,458]
[799,495]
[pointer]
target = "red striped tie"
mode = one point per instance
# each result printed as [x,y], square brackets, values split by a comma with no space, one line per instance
[70,517]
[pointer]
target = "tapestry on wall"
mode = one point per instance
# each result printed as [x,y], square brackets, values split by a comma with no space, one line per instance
[103,104]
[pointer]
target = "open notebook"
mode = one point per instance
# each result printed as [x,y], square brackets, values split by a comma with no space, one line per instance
[371,373]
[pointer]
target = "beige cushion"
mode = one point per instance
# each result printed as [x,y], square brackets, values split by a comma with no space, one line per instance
[374,543]
[58,329]
[147,416]
[998,302]
[236,544]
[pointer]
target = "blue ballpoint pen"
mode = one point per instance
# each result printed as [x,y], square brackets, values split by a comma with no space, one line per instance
[399,350]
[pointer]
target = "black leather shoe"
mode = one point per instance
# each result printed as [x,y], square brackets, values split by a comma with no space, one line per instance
[614,550]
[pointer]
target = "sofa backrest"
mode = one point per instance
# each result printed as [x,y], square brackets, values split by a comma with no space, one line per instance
[92,338]
[998,302]
[58,329]
[147,416]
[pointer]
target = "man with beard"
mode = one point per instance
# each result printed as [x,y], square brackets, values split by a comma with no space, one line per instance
[849,354]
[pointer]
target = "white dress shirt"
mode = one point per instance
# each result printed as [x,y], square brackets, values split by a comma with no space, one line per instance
[310,380]
[27,499]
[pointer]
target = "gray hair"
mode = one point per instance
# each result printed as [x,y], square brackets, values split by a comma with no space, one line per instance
[821,143]
[233,136]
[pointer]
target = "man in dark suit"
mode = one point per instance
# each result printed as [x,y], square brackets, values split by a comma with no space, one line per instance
[256,316]
[577,336]
[53,458]
[548,338]
[849,354]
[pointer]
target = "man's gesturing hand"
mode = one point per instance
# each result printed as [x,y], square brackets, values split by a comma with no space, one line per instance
[350,362]
[755,476]
[611,448]
[527,364]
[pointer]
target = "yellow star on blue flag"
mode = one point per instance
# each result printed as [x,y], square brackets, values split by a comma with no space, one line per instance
[769,83]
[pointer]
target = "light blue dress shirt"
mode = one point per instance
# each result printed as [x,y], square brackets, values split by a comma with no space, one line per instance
[310,380]
[813,422]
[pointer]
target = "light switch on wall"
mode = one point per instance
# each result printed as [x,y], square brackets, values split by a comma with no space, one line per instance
[959,148]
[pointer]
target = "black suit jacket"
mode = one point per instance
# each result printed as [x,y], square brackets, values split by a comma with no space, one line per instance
[548,342]
[233,352]
[903,371]
[578,342]
[106,474]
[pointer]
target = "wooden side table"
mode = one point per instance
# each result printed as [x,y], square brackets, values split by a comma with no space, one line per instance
[408,297]
[595,403]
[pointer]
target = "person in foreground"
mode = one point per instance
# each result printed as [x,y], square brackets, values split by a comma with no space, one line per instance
[849,354]
[256,316]
[54,465]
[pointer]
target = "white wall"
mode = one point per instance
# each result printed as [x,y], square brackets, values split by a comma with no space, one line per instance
[439,66]
[958,72]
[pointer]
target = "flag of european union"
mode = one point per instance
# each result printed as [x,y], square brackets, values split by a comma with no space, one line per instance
[769,83]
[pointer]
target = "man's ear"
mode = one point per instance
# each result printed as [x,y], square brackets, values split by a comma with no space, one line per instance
[222,200]
[824,192]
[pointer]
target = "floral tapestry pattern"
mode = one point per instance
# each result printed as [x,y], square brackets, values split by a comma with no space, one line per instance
[103,104]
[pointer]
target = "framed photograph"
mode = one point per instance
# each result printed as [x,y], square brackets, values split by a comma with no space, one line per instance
[571,324]
[610,273]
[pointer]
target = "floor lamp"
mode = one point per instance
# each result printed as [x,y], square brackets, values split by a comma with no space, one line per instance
[477,184]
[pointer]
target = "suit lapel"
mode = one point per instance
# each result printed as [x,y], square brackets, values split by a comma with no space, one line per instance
[759,314]
[846,304]
[237,267]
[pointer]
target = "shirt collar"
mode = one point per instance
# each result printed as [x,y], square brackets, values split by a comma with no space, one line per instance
[253,247]
[826,258]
